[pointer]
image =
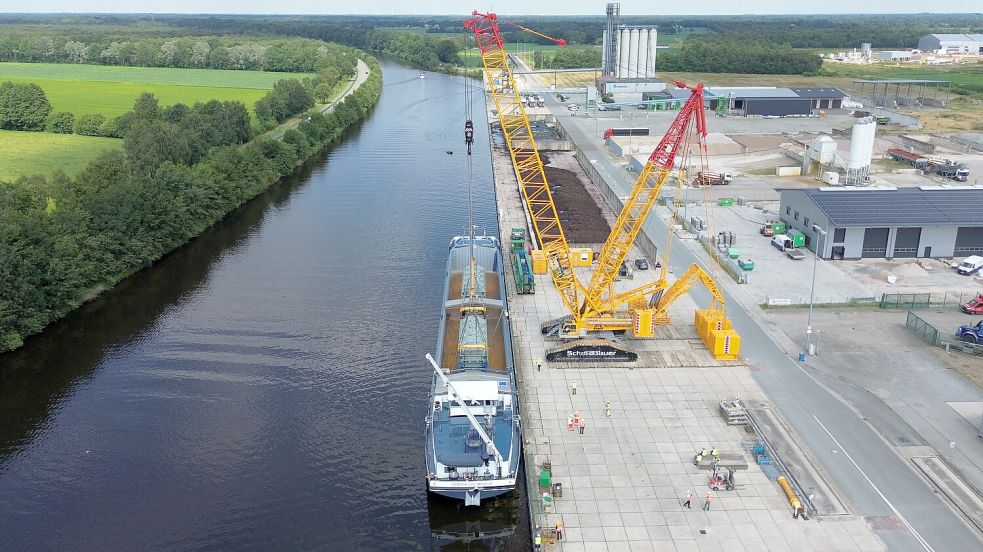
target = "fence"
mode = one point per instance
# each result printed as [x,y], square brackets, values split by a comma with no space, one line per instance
[931,335]
[925,300]
[925,331]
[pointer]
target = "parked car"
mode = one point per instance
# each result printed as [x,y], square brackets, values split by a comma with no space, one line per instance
[641,264]
[974,305]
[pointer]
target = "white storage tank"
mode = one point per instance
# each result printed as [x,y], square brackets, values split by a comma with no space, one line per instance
[862,143]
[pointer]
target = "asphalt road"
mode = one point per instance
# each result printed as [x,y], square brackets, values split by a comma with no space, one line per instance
[876,480]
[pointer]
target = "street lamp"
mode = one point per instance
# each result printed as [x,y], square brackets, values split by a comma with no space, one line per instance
[812,293]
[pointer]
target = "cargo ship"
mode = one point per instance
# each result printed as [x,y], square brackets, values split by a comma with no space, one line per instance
[473,433]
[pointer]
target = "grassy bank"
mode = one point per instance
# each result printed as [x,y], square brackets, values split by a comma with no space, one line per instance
[27,153]
[63,238]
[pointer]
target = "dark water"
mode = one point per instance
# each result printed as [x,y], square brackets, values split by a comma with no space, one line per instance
[264,387]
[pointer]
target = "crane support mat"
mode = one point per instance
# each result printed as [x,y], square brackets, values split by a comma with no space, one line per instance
[579,350]
[734,461]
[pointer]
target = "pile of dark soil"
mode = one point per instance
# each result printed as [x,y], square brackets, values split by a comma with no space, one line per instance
[580,216]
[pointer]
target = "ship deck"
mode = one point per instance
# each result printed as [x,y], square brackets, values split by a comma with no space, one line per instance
[496,340]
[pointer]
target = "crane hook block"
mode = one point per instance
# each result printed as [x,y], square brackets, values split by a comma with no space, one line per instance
[468,134]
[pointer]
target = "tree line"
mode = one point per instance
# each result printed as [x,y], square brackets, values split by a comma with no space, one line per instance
[296,55]
[702,54]
[26,107]
[62,237]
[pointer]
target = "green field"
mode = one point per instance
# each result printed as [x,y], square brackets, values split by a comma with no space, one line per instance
[27,153]
[111,90]
[968,76]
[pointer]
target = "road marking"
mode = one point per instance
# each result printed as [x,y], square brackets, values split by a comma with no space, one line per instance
[911,529]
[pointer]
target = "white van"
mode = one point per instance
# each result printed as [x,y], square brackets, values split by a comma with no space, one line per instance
[970,265]
[781,242]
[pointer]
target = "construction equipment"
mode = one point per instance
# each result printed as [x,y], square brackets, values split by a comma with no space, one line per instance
[722,479]
[597,311]
[525,283]
[970,334]
[931,164]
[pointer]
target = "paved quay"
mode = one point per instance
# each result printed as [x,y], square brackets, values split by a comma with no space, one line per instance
[876,479]
[623,480]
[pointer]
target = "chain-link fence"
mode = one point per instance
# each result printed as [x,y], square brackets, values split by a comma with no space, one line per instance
[925,331]
[925,300]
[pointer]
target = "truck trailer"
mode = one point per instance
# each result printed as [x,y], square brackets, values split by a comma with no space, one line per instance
[625,132]
[946,168]
[711,179]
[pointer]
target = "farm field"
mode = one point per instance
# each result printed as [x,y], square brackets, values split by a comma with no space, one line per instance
[111,90]
[27,153]
[470,58]
[968,76]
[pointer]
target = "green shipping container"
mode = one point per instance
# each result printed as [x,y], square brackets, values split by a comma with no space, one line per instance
[798,238]
[778,227]
[725,202]
[733,253]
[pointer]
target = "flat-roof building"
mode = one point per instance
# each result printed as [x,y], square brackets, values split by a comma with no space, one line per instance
[773,101]
[879,222]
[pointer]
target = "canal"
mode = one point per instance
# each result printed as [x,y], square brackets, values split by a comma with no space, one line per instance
[265,386]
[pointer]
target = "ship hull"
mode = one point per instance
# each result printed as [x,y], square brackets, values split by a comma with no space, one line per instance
[459,464]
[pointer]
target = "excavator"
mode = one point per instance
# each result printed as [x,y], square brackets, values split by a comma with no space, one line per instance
[598,314]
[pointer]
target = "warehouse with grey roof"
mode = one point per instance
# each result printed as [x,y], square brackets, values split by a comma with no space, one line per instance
[887,222]
[775,102]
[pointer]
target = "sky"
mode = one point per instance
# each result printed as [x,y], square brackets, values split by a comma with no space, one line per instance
[513,7]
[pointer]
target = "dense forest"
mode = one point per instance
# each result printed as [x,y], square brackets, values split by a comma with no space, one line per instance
[182,168]
[716,54]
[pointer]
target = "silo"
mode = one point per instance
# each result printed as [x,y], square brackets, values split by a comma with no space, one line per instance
[604,51]
[623,38]
[643,48]
[633,55]
[861,150]
[653,45]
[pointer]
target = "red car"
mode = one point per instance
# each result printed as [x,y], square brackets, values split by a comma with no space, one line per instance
[975,305]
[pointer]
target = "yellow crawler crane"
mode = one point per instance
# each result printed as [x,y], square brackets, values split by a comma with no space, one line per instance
[596,311]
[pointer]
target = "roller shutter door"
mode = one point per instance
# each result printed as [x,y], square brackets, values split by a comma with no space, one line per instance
[875,242]
[969,241]
[906,242]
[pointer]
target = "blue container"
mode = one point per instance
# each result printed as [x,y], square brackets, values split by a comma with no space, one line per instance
[759,450]
[802,357]
[763,459]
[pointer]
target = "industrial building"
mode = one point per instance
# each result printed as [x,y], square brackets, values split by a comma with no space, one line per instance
[894,55]
[959,43]
[772,101]
[887,222]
